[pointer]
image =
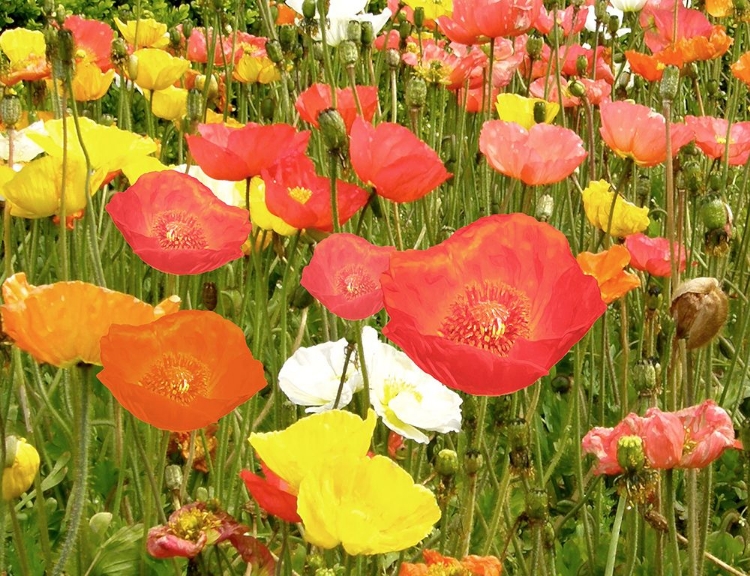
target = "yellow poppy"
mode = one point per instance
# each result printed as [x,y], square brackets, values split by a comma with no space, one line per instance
[259,213]
[90,83]
[150,33]
[170,103]
[156,69]
[137,167]
[252,69]
[627,218]
[26,51]
[19,475]
[433,9]
[519,109]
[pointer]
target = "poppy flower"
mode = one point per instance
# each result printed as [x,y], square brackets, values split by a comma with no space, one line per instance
[93,41]
[611,214]
[26,52]
[176,224]
[181,372]
[18,476]
[61,323]
[252,64]
[435,564]
[571,20]
[476,21]
[143,33]
[711,138]
[433,9]
[228,153]
[197,46]
[544,154]
[652,255]
[344,275]
[637,132]
[519,109]
[24,148]
[741,68]
[317,98]
[297,195]
[708,432]
[90,83]
[385,156]
[486,312]
[170,103]
[608,268]
[436,65]
[272,494]
[156,69]
[260,215]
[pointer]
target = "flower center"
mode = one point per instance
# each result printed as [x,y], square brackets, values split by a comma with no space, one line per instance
[301,195]
[192,523]
[352,282]
[177,376]
[490,316]
[176,230]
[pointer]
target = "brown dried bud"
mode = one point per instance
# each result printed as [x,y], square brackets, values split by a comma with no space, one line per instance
[699,308]
[209,295]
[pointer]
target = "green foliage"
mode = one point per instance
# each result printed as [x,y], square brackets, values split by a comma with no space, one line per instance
[19,14]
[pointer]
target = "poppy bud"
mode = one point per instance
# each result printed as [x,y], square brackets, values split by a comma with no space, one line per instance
[308,9]
[670,82]
[653,297]
[173,477]
[600,11]
[66,46]
[99,522]
[175,38]
[213,85]
[582,65]
[446,463]
[716,214]
[274,51]
[20,466]
[534,47]
[645,377]
[317,51]
[132,67]
[333,128]
[544,208]
[630,455]
[577,89]
[201,494]
[348,53]
[473,462]
[699,308]
[187,28]
[537,505]
[354,31]
[368,34]
[209,295]
[267,108]
[287,37]
[10,109]
[392,58]
[404,29]
[416,92]
[419,17]
[301,298]
[613,24]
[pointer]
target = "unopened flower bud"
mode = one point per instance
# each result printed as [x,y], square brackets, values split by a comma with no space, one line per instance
[132,67]
[10,109]
[201,494]
[187,28]
[368,34]
[287,37]
[209,295]
[670,82]
[18,473]
[333,128]
[267,108]
[107,120]
[699,308]
[348,53]
[175,38]
[419,17]
[446,462]
[404,29]
[600,10]
[716,214]
[392,58]
[99,522]
[630,455]
[645,377]
[544,208]
[473,462]
[194,105]
[613,24]
[582,65]
[308,9]
[416,92]
[653,297]
[534,47]
[274,51]
[577,89]
[173,477]
[537,506]
[119,52]
[354,31]
[301,298]
[213,85]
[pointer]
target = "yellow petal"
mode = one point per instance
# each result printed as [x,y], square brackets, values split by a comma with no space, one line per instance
[519,109]
[170,103]
[150,33]
[20,45]
[627,218]
[259,213]
[20,476]
[142,165]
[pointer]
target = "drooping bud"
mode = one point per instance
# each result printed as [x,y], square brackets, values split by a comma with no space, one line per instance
[630,454]
[577,89]
[348,53]
[473,462]
[670,82]
[446,462]
[333,128]
[699,308]
[10,109]
[267,108]
[274,51]
[540,111]
[416,92]
[419,17]
[173,477]
[545,206]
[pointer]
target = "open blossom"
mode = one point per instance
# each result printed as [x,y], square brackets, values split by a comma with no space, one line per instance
[476,21]
[520,109]
[714,136]
[272,494]
[435,564]
[26,52]
[317,98]
[708,432]
[653,255]
[611,213]
[608,268]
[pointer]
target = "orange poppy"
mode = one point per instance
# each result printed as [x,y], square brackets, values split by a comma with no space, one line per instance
[608,268]
[741,68]
[181,372]
[61,324]
[435,564]
[317,98]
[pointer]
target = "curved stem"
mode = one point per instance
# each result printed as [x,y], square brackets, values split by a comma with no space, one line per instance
[612,552]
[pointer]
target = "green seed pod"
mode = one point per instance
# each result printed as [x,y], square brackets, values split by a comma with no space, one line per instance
[714,214]
[187,28]
[416,92]
[446,463]
[534,47]
[537,506]
[368,34]
[577,89]
[582,66]
[613,24]
[10,109]
[354,31]
[670,83]
[274,51]
[545,206]
[333,129]
[419,17]
[715,181]
[173,477]
[473,462]
[308,9]
[287,37]
[404,30]
[348,53]
[392,58]
[630,454]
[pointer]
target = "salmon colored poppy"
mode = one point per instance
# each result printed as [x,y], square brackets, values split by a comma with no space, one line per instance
[181,372]
[572,20]
[197,46]
[93,41]
[476,21]
[708,432]
[544,154]
[297,195]
[711,137]
[385,156]
[317,98]
[637,132]
[608,268]
[227,153]
[493,308]
[435,564]
[61,324]
[652,255]
[26,52]
[436,65]
[177,225]
[272,494]
[344,275]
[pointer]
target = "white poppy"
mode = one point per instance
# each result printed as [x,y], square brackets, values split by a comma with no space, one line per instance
[338,16]
[232,193]
[311,376]
[24,149]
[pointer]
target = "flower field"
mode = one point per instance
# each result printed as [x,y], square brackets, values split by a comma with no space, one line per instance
[417,288]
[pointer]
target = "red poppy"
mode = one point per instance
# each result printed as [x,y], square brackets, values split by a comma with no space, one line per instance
[177,225]
[652,255]
[272,494]
[386,158]
[711,137]
[637,132]
[344,275]
[93,40]
[544,154]
[226,153]
[476,21]
[318,98]
[297,195]
[493,308]
[182,372]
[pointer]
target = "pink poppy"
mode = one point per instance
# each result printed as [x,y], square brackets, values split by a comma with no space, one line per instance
[708,432]
[711,137]
[476,21]
[652,255]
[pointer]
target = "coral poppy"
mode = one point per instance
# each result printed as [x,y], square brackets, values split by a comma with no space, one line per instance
[143,33]
[608,268]
[519,109]
[93,41]
[436,65]
[572,20]
[344,275]
[652,255]
[61,324]
[156,69]
[272,494]
[435,564]
[544,154]
[197,46]
[317,98]
[610,212]
[181,372]
[228,153]
[486,312]
[637,132]
[385,156]
[296,194]
[711,137]
[476,21]
[176,224]
[26,52]
[708,432]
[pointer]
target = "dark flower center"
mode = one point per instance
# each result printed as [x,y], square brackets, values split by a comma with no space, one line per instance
[177,230]
[177,376]
[490,316]
[352,282]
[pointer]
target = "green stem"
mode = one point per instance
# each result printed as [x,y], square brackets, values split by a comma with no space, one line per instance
[612,552]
